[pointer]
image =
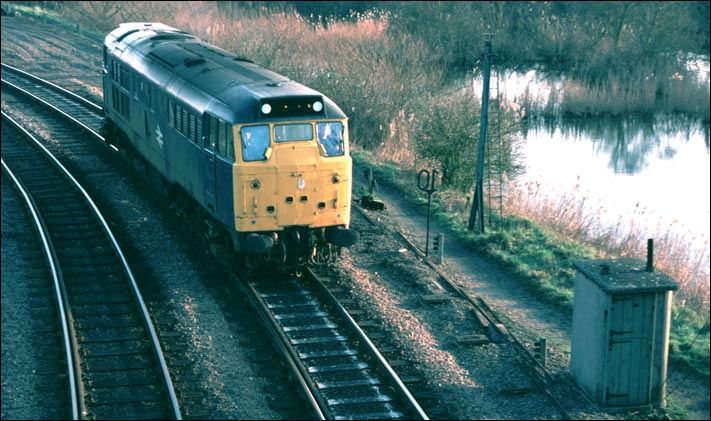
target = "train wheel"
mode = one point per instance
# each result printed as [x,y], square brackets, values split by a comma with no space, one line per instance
[280,256]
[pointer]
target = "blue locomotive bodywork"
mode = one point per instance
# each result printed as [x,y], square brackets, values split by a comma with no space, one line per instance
[181,102]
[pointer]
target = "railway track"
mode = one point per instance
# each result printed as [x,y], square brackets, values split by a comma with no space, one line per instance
[116,365]
[35,313]
[80,111]
[342,372]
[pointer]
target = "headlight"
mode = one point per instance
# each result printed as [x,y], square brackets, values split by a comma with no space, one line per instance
[318,106]
[266,109]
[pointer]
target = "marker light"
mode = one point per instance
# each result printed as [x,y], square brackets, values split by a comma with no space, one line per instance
[266,108]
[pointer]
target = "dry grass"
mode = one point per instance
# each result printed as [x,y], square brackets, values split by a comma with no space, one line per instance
[683,256]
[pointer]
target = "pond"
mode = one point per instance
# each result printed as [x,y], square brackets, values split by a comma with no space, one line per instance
[653,172]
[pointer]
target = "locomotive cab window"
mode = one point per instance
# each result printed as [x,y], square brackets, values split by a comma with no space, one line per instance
[293,132]
[255,141]
[221,138]
[225,142]
[330,136]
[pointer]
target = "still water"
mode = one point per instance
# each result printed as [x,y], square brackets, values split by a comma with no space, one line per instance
[653,172]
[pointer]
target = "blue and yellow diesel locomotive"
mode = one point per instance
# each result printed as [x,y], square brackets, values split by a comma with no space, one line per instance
[264,157]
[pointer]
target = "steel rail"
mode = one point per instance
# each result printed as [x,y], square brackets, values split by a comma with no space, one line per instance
[56,87]
[119,252]
[268,303]
[47,250]
[382,362]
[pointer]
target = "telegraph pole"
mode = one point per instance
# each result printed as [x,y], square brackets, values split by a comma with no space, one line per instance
[478,200]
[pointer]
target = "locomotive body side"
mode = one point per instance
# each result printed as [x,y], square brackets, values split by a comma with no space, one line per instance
[190,110]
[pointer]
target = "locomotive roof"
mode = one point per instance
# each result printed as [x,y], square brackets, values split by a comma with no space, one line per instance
[206,77]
